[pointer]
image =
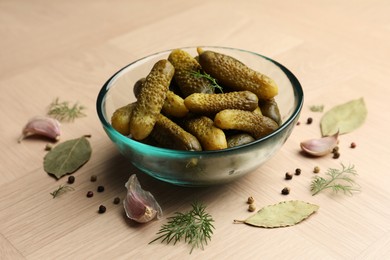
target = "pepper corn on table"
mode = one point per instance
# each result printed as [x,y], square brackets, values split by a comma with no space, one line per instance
[68,49]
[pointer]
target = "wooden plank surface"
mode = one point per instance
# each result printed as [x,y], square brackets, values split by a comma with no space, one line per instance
[339,50]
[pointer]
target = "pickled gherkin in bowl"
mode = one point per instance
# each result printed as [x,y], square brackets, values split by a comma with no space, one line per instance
[200,116]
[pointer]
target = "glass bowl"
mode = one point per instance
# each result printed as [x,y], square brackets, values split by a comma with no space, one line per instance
[204,168]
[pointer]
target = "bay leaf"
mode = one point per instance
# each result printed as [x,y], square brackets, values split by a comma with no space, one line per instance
[67,157]
[283,214]
[344,118]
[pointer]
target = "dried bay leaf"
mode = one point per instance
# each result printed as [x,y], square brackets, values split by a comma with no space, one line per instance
[344,118]
[283,214]
[67,157]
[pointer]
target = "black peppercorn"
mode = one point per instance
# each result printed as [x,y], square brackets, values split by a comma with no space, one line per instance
[102,209]
[89,194]
[309,120]
[117,200]
[286,191]
[288,176]
[100,188]
[71,179]
[297,171]
[336,155]
[93,178]
[353,145]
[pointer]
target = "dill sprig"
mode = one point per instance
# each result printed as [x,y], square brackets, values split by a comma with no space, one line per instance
[63,111]
[213,81]
[339,180]
[194,226]
[60,190]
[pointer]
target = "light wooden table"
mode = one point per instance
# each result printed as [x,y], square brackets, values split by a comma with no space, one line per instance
[339,50]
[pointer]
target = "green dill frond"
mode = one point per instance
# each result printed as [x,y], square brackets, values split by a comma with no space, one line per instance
[195,227]
[338,180]
[63,111]
[60,190]
[213,81]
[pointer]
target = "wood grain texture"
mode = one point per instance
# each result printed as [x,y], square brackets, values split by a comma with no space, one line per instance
[339,50]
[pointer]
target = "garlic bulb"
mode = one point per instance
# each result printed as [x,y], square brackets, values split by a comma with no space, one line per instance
[140,205]
[321,146]
[43,126]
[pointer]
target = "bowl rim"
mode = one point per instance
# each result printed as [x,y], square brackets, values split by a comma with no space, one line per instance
[298,93]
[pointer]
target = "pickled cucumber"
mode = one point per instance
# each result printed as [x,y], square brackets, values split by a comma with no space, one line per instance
[254,124]
[270,108]
[236,75]
[209,136]
[185,65]
[257,111]
[177,99]
[120,120]
[138,86]
[239,139]
[170,135]
[151,99]
[213,103]
[174,105]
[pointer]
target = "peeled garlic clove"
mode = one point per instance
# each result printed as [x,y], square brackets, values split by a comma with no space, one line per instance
[140,205]
[44,126]
[321,146]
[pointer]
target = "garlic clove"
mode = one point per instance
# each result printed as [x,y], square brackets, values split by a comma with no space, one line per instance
[140,205]
[43,126]
[321,146]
